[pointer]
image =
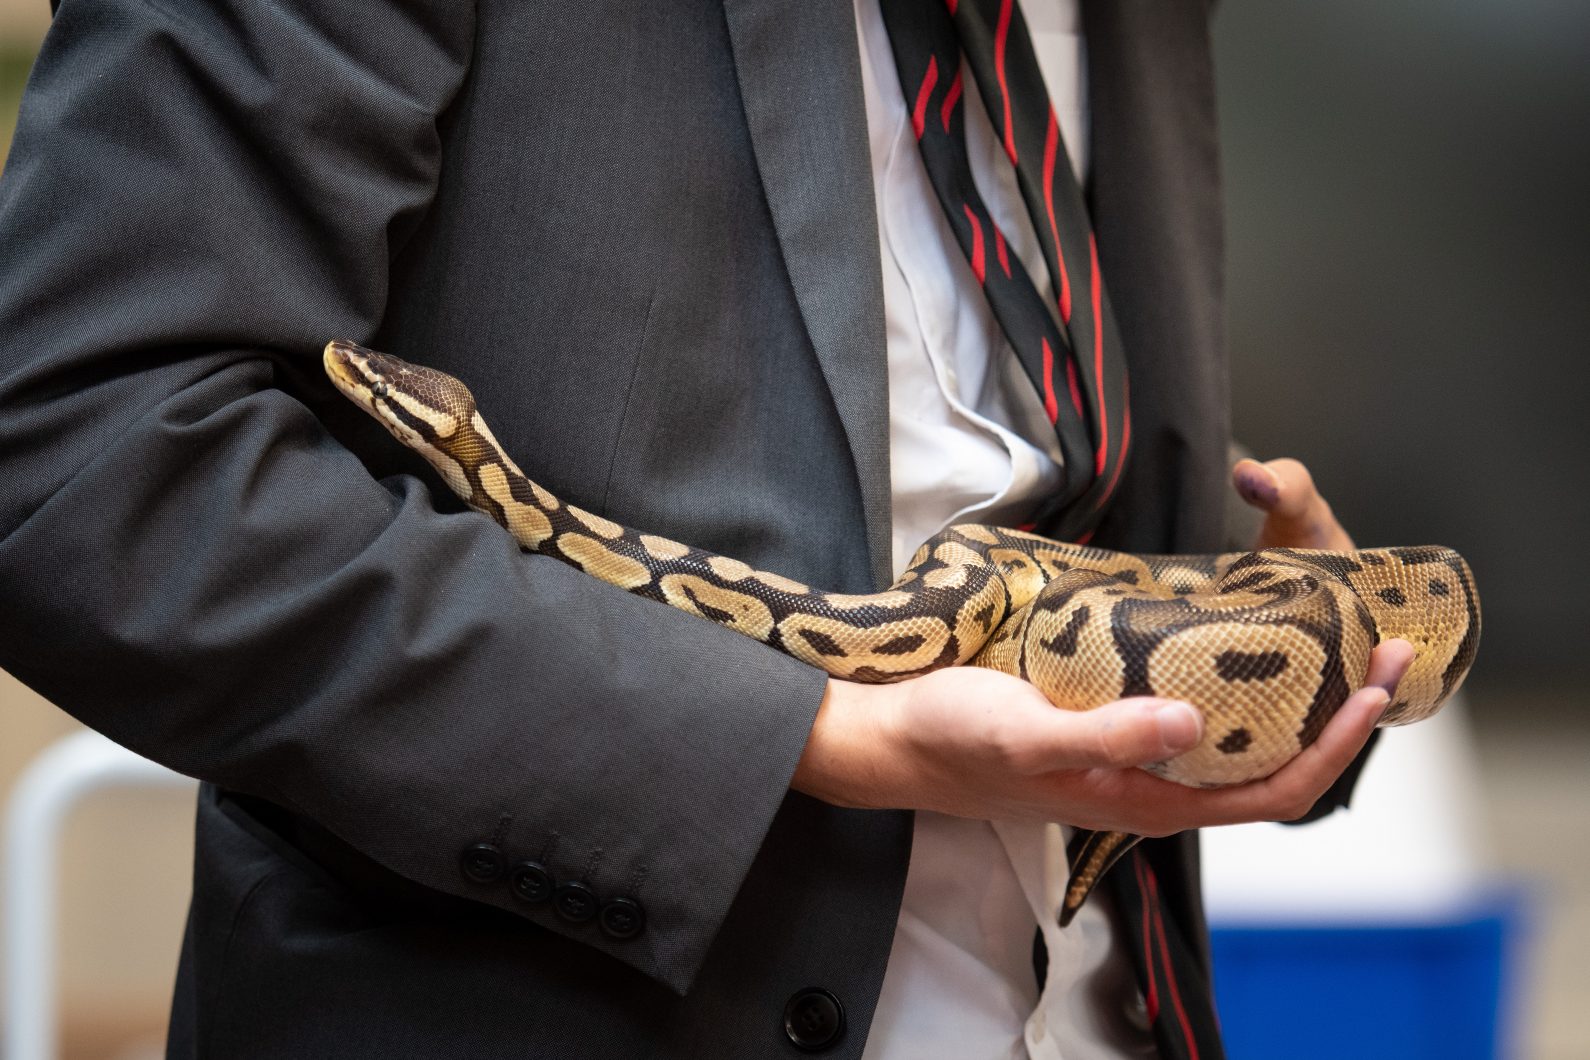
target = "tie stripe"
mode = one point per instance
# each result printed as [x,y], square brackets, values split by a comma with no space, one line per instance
[1001,38]
[979,267]
[923,94]
[1151,991]
[1050,405]
[1098,354]
[1051,141]
[999,251]
[952,97]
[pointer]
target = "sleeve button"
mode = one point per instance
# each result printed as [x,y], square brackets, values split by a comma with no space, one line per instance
[482,863]
[574,902]
[814,1020]
[622,918]
[530,882]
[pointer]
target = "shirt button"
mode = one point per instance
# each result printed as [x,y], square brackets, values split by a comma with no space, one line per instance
[482,863]
[1137,1012]
[814,1020]
[530,882]
[622,918]
[575,902]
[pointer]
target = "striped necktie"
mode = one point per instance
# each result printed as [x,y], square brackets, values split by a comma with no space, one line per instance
[1066,340]
[1174,980]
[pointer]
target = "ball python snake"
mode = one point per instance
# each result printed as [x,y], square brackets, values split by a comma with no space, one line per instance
[1267,644]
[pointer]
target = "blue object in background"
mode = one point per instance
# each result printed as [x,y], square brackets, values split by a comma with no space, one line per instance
[1443,990]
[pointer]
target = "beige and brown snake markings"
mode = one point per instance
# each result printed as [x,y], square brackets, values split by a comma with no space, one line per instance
[1267,644]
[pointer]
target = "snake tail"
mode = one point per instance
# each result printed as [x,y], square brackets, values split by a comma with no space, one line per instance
[1091,855]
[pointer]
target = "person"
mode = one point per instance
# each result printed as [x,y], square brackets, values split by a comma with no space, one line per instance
[464,801]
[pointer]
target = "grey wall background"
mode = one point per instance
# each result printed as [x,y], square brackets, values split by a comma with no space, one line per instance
[1408,187]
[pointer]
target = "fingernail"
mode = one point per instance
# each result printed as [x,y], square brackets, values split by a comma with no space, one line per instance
[1180,726]
[1384,703]
[1391,686]
[1257,487]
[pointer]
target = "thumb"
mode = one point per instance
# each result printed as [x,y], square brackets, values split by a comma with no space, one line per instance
[1127,732]
[1296,515]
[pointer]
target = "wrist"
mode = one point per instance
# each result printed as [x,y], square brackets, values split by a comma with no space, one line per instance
[849,747]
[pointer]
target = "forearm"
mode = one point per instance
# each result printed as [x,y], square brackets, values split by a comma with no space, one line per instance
[409,680]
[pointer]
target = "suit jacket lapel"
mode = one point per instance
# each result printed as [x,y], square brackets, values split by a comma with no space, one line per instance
[799,71]
[1155,202]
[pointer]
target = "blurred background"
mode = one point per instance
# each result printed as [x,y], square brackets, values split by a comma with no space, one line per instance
[1409,260]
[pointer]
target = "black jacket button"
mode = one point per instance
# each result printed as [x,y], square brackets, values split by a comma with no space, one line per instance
[482,863]
[575,902]
[530,882]
[814,1020]
[622,918]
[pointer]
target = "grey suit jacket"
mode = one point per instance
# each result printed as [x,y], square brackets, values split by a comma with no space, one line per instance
[645,234]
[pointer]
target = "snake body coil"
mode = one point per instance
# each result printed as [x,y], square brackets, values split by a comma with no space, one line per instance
[1267,644]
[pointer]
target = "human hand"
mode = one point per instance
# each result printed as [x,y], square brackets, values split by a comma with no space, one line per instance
[984,745]
[1295,515]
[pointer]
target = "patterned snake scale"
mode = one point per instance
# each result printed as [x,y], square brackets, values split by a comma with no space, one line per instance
[1267,644]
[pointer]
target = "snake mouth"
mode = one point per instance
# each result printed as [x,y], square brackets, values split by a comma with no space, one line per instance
[363,375]
[348,365]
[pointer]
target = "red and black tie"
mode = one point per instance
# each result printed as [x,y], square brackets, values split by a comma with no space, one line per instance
[1066,341]
[1175,983]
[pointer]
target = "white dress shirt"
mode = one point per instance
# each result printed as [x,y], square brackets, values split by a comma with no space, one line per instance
[970,443]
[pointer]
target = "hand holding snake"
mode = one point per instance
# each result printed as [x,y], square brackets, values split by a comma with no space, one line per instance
[1269,645]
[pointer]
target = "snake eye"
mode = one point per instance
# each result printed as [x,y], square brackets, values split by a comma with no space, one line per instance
[379,388]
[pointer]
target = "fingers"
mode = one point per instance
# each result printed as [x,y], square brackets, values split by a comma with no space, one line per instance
[1145,805]
[980,744]
[1297,516]
[1129,732]
[1298,785]
[1292,791]
[1282,487]
[1259,485]
[1387,663]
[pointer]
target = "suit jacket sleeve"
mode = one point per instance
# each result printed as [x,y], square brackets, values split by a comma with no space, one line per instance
[198,197]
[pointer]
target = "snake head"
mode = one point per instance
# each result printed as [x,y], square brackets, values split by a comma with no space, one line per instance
[427,410]
[417,404]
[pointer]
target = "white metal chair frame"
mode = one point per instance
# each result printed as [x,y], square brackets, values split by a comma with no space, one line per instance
[63,774]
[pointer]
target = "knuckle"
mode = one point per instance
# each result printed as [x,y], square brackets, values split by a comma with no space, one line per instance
[1010,745]
[1297,809]
[1154,822]
[1112,746]
[1293,468]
